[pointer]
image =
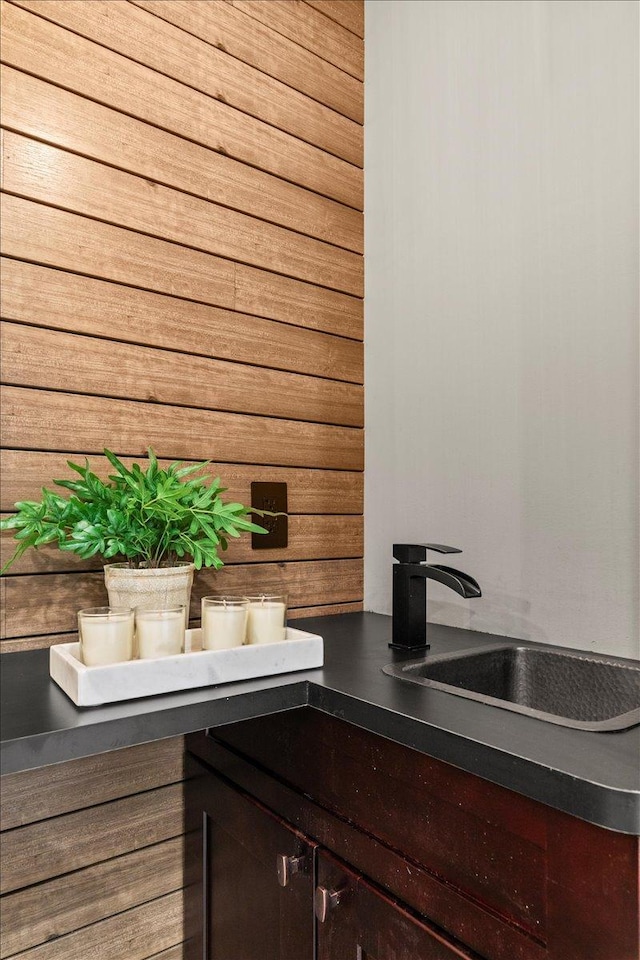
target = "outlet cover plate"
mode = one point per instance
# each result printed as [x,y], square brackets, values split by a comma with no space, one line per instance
[267,495]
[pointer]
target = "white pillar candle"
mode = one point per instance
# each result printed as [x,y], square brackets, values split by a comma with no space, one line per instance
[224,623]
[266,620]
[160,633]
[105,637]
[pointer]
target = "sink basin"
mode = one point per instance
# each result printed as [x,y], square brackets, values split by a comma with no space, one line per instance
[582,690]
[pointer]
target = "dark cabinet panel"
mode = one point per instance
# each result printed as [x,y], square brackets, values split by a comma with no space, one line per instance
[256,881]
[483,841]
[428,862]
[336,910]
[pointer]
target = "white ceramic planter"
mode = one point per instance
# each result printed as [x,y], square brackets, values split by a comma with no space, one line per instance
[156,588]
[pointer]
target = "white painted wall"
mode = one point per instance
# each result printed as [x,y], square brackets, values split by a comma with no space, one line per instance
[502,310]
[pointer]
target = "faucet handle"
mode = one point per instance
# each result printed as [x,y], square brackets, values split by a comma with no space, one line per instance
[417,552]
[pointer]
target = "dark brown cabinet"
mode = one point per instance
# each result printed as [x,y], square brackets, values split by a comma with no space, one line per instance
[267,892]
[254,879]
[405,857]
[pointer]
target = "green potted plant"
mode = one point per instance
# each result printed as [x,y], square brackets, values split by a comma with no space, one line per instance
[163,522]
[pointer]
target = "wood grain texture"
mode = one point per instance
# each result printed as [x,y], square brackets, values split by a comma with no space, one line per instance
[41,604]
[30,357]
[266,294]
[50,791]
[151,41]
[37,643]
[58,300]
[585,859]
[310,491]
[310,538]
[57,907]
[113,196]
[183,231]
[302,24]
[248,915]
[41,234]
[325,610]
[39,109]
[48,849]
[483,845]
[38,46]
[33,231]
[348,13]
[358,838]
[587,889]
[312,583]
[136,934]
[176,952]
[245,38]
[125,426]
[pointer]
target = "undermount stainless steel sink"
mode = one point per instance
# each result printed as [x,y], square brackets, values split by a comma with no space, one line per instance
[582,690]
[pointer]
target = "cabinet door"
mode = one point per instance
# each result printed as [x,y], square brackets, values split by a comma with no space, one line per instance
[257,880]
[357,921]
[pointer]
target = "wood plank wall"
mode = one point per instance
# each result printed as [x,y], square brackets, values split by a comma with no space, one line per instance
[182,266]
[93,857]
[182,238]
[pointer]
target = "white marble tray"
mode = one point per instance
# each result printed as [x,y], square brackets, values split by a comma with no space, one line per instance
[90,686]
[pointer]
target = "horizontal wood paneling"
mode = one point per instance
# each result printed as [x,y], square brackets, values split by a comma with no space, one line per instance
[58,300]
[46,112]
[86,896]
[310,491]
[44,604]
[52,53]
[44,235]
[303,25]
[136,934]
[173,953]
[326,610]
[310,538]
[81,843]
[111,195]
[32,231]
[245,38]
[44,850]
[269,295]
[149,40]
[50,791]
[42,642]
[31,357]
[182,221]
[348,13]
[125,426]
[217,309]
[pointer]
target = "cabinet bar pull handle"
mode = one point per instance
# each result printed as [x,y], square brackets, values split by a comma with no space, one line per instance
[287,867]
[326,900]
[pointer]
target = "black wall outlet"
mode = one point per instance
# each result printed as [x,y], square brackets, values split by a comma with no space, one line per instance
[270,496]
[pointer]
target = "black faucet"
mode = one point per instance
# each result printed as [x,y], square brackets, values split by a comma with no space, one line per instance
[410,577]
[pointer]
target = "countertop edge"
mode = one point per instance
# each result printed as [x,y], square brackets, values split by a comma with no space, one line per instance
[62,746]
[599,788]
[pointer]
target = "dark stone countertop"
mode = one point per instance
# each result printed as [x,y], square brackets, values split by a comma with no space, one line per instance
[594,776]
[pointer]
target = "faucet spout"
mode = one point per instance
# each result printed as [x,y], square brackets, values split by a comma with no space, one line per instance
[461,582]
